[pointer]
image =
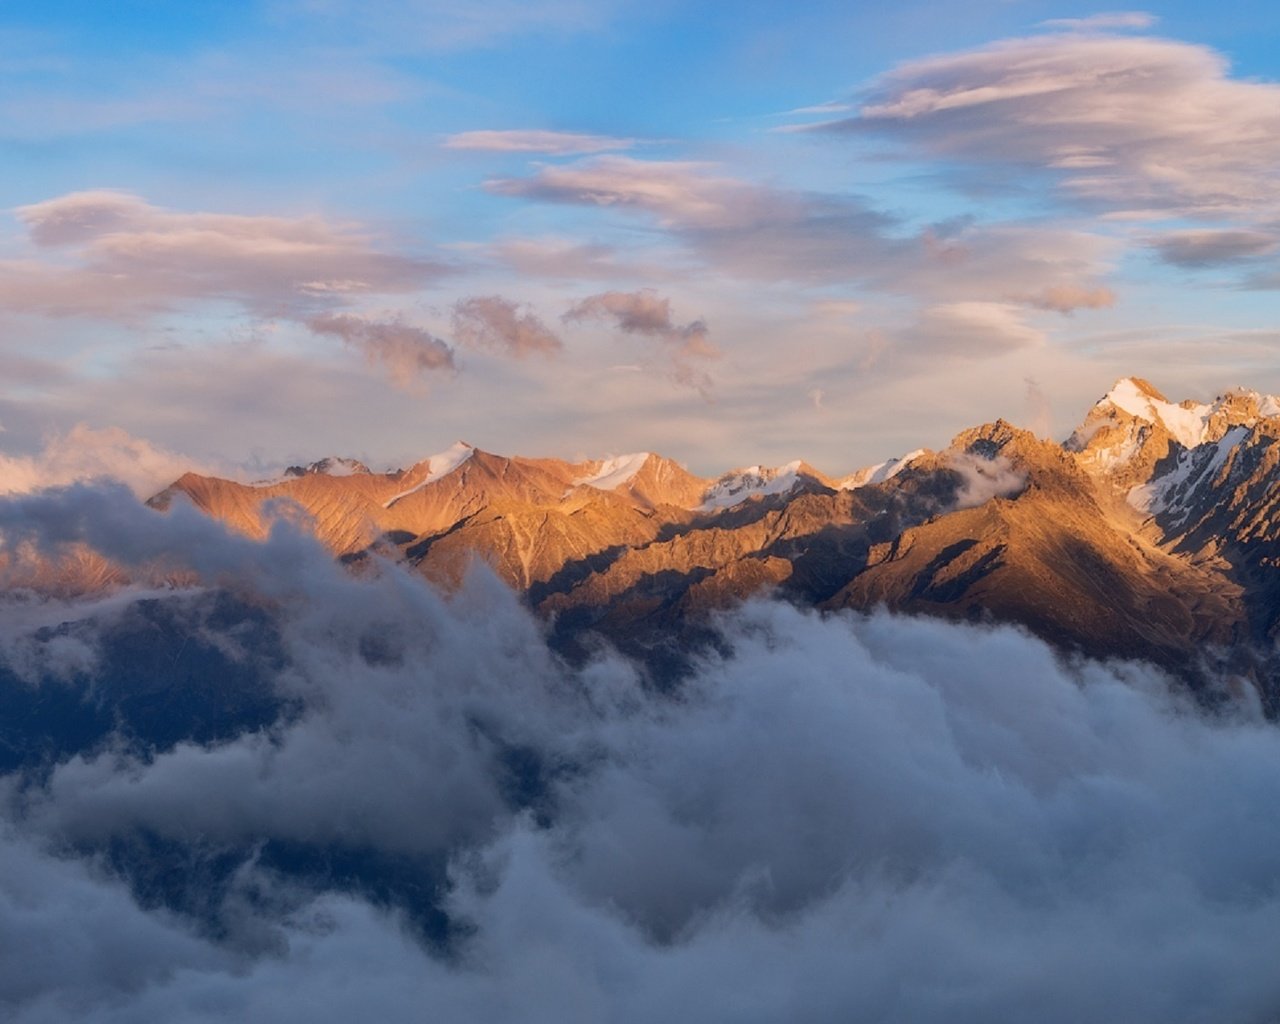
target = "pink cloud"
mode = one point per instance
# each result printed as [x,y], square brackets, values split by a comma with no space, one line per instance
[535,141]
[648,314]
[407,352]
[499,325]
[112,254]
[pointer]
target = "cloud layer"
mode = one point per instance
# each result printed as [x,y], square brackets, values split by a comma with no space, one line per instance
[840,817]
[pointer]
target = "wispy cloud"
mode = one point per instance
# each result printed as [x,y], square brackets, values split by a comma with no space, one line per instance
[647,314]
[112,254]
[967,330]
[1122,123]
[531,141]
[763,232]
[1209,247]
[566,259]
[1069,298]
[1105,21]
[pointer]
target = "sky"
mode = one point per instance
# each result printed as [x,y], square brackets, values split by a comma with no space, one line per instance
[238,235]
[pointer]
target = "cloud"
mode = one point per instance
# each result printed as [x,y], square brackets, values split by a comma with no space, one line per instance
[1208,247]
[983,479]
[1123,124]
[827,798]
[534,141]
[966,330]
[84,453]
[112,254]
[1037,411]
[406,351]
[565,259]
[765,233]
[1105,21]
[1066,298]
[494,323]
[648,314]
[675,191]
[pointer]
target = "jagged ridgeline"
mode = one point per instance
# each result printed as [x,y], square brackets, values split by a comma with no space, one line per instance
[1151,533]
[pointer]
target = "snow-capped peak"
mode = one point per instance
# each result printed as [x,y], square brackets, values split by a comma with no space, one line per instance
[1186,423]
[436,467]
[736,487]
[614,472]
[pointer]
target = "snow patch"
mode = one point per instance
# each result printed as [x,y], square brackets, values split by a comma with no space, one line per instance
[614,472]
[736,487]
[880,472]
[437,466]
[1173,490]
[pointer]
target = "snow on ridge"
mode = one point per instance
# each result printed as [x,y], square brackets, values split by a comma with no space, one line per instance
[736,487]
[614,472]
[880,472]
[1194,467]
[330,465]
[438,466]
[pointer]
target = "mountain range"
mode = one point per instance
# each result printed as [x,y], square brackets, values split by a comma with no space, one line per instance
[1150,533]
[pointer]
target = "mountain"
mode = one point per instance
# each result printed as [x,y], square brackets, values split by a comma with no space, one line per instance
[1152,532]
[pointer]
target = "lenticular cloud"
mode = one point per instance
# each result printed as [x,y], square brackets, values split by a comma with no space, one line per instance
[839,818]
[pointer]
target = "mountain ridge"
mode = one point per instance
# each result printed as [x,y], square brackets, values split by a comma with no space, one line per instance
[1153,531]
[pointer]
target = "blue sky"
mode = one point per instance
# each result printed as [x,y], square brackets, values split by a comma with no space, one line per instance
[730,232]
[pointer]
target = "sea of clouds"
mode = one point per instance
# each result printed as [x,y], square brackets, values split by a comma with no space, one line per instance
[843,818]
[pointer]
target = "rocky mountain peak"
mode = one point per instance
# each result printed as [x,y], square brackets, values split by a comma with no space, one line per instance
[330,465]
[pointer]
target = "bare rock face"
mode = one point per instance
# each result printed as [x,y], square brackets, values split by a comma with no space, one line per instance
[1061,557]
[1152,532]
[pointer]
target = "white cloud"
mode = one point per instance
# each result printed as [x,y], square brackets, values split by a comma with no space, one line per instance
[85,453]
[831,798]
